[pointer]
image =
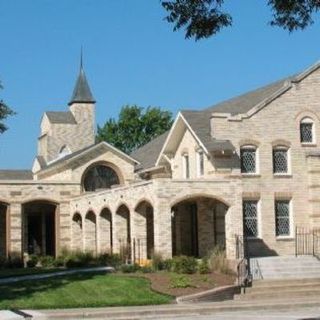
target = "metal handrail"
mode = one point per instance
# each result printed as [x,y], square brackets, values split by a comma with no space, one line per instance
[244,277]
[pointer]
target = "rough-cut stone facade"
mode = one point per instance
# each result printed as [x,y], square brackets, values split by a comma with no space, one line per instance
[158,209]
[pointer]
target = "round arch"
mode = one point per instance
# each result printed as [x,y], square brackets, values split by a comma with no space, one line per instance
[90,232]
[77,232]
[105,231]
[197,196]
[5,229]
[39,232]
[144,230]
[101,174]
[198,224]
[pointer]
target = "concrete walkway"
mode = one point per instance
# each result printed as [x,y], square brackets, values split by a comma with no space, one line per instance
[53,274]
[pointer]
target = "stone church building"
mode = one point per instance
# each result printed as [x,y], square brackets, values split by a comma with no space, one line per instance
[247,166]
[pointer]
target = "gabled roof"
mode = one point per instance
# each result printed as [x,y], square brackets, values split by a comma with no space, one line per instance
[245,102]
[61,117]
[82,92]
[16,175]
[148,154]
[199,122]
[91,150]
[260,97]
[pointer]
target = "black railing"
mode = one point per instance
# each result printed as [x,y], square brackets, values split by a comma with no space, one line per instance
[307,242]
[133,251]
[244,277]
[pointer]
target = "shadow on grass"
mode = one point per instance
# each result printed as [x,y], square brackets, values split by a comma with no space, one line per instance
[79,290]
[25,289]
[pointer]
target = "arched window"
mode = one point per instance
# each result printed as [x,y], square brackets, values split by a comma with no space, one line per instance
[280,160]
[248,158]
[307,131]
[100,177]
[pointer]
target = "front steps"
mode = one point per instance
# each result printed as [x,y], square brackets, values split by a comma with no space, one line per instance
[283,278]
[277,290]
[285,267]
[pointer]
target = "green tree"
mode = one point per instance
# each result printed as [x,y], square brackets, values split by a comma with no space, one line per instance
[5,112]
[205,18]
[135,127]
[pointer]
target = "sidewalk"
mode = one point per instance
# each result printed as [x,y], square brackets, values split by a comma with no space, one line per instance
[175,310]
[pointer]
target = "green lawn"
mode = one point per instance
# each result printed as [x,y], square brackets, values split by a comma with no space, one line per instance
[81,290]
[16,272]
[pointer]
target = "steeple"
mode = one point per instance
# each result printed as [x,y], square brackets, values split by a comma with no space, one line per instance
[82,92]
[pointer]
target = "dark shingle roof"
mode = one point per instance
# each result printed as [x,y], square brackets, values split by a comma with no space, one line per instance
[16,175]
[61,117]
[199,121]
[82,92]
[147,155]
[245,102]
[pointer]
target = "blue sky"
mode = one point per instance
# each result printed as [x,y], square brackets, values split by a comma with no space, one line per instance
[131,56]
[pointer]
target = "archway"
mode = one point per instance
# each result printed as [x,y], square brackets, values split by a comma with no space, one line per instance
[123,231]
[3,230]
[39,231]
[100,176]
[77,232]
[90,230]
[105,231]
[144,230]
[198,225]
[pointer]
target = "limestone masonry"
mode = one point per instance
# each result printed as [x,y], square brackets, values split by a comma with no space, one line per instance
[246,168]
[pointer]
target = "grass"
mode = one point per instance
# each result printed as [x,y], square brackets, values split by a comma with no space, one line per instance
[81,290]
[5,273]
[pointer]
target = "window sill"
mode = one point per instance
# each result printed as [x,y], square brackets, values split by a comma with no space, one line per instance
[254,238]
[308,144]
[250,175]
[282,175]
[284,238]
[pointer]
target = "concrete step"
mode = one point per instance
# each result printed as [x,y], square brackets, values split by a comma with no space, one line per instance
[287,267]
[285,282]
[278,294]
[288,287]
[289,276]
[166,311]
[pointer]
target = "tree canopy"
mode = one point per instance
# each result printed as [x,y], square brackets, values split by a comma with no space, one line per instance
[5,112]
[135,127]
[205,18]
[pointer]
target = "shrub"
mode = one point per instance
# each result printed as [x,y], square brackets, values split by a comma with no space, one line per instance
[33,260]
[167,264]
[112,260]
[180,281]
[14,261]
[146,269]
[3,262]
[129,268]
[218,261]
[59,262]
[184,264]
[203,266]
[157,261]
[46,261]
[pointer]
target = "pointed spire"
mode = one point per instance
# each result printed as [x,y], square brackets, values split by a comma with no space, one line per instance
[82,92]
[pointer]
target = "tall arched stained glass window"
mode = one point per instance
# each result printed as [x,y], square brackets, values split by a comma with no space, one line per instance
[100,177]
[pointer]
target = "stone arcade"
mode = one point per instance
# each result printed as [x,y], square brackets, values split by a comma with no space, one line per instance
[249,165]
